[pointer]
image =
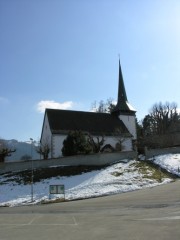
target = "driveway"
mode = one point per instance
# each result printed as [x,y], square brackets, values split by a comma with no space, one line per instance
[145,214]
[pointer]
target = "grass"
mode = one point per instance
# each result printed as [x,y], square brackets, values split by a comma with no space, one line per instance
[147,170]
[117,174]
[150,172]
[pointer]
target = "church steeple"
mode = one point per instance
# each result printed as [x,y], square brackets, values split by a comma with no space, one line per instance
[121,90]
[122,105]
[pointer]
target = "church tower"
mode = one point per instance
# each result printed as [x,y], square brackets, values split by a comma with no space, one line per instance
[123,109]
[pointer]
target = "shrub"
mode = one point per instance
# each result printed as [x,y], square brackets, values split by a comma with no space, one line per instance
[75,143]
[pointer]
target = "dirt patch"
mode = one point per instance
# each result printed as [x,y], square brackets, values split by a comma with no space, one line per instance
[25,177]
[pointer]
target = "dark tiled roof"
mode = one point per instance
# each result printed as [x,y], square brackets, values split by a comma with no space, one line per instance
[63,121]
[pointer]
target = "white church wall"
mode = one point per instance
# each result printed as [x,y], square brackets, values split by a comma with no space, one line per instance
[126,144]
[57,144]
[46,134]
[130,123]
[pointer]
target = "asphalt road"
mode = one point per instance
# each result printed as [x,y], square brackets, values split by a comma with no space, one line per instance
[146,214]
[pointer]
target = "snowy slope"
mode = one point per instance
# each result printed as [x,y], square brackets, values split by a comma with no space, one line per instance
[170,162]
[118,178]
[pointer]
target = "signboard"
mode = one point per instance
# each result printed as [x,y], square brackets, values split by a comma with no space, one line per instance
[56,189]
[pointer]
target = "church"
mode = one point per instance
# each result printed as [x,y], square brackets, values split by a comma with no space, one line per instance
[117,126]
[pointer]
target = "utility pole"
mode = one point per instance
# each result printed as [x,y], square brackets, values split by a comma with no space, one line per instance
[32,172]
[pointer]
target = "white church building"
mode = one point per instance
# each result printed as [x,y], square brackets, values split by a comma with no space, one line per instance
[115,126]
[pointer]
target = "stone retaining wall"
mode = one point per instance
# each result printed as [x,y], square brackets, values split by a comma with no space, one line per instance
[149,153]
[89,160]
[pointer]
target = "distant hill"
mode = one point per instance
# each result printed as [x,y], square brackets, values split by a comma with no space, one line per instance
[22,149]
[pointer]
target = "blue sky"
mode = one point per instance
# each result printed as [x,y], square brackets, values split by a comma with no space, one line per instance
[64,54]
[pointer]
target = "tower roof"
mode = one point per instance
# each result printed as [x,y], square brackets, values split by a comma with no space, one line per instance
[121,90]
[122,105]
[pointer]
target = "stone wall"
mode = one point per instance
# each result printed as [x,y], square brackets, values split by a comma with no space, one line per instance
[89,160]
[149,153]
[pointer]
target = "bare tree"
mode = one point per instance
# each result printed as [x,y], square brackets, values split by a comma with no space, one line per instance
[120,139]
[103,107]
[159,119]
[44,150]
[96,144]
[5,151]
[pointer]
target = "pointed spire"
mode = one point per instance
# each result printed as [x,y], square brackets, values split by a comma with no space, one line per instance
[121,90]
[122,105]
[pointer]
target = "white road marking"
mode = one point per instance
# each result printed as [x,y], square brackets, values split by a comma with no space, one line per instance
[38,221]
[160,219]
[35,218]
[75,222]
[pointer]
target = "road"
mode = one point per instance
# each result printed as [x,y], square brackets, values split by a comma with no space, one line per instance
[145,214]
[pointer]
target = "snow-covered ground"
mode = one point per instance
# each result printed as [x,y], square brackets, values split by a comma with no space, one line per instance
[117,178]
[170,162]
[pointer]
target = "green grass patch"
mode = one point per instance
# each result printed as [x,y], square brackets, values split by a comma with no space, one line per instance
[145,169]
[117,174]
[150,171]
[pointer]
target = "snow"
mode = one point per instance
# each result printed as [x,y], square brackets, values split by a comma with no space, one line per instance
[170,162]
[118,178]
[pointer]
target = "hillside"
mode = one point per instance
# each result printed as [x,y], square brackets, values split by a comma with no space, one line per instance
[86,182]
[22,149]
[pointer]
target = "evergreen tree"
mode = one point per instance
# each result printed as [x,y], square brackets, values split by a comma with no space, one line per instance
[75,143]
